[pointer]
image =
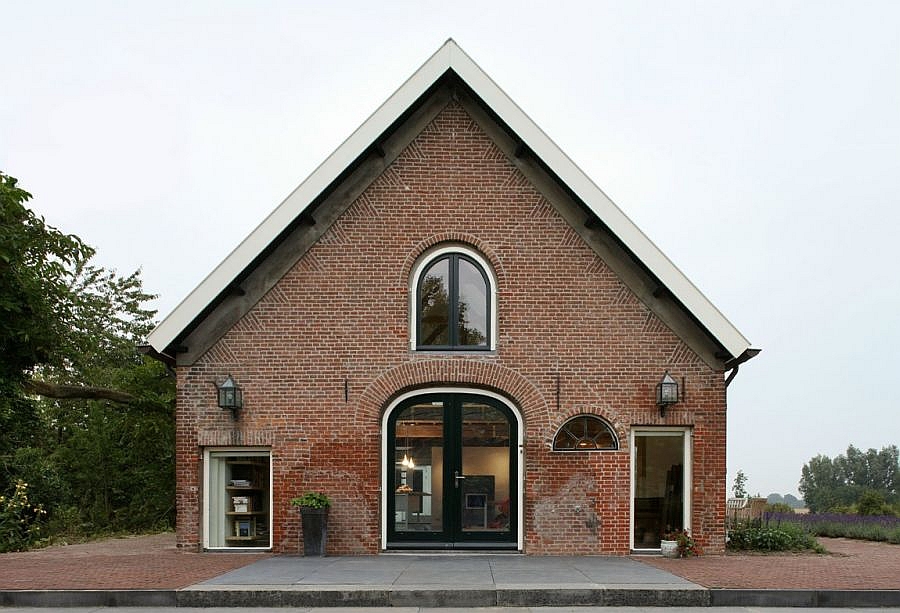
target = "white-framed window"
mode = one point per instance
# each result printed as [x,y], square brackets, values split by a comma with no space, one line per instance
[660,484]
[237,498]
[453,301]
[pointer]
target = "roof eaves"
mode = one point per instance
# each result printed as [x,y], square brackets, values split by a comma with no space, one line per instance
[448,57]
[197,301]
[602,206]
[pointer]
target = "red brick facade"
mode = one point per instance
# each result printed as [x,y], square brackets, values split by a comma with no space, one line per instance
[340,317]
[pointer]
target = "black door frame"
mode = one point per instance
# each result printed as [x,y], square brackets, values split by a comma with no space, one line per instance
[452,536]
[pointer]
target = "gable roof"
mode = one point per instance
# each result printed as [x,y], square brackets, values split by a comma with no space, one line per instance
[449,59]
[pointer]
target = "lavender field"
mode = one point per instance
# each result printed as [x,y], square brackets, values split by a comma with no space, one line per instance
[866,527]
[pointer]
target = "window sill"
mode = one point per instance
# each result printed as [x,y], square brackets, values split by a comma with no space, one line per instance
[455,352]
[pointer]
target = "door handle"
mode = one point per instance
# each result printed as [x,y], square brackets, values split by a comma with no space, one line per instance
[457,477]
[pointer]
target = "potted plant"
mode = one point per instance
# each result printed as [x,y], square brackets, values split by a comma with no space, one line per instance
[314,515]
[679,544]
[668,546]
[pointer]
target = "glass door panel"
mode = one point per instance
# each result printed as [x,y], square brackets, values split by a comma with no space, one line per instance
[658,487]
[452,473]
[419,468]
[484,501]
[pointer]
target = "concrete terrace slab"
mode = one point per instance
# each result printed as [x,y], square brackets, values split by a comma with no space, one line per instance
[442,580]
[443,570]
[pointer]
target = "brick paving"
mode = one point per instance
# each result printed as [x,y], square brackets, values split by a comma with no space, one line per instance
[859,565]
[153,562]
[137,562]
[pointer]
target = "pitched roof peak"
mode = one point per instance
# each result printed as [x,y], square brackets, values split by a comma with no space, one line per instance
[450,56]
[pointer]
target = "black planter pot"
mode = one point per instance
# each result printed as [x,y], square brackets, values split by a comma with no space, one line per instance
[315,530]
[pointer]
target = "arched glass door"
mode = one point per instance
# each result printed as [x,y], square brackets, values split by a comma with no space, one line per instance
[452,473]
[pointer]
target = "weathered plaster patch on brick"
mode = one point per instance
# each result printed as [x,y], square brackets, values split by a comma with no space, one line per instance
[566,519]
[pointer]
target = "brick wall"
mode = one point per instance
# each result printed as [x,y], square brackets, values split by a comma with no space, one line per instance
[341,314]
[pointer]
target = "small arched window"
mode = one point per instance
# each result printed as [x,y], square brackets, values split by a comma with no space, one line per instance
[585,433]
[453,303]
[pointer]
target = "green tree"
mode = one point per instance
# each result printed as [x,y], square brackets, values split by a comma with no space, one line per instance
[820,484]
[51,299]
[740,485]
[828,484]
[35,307]
[793,502]
[35,298]
[85,420]
[115,450]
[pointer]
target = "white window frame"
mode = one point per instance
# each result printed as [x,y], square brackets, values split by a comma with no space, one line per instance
[246,451]
[423,262]
[687,433]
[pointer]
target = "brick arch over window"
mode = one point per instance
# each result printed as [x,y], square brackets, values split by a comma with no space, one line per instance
[607,415]
[586,432]
[462,238]
[457,372]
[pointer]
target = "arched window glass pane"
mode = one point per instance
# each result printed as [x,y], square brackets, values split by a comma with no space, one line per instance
[434,302]
[453,309]
[473,315]
[585,433]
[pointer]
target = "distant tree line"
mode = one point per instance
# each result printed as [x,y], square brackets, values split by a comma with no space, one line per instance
[788,500]
[86,423]
[865,482]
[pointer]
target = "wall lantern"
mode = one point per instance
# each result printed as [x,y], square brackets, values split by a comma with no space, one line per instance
[231,397]
[666,393]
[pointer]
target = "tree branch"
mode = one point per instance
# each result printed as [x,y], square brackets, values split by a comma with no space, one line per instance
[64,392]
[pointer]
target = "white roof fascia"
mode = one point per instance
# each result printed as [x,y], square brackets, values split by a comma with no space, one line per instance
[605,209]
[183,314]
[450,55]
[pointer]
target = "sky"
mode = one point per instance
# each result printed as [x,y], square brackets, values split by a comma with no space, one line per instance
[756,143]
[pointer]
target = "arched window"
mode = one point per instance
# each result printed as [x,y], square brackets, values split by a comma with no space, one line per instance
[585,433]
[453,302]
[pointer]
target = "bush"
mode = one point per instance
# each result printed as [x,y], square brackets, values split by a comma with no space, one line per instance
[65,522]
[312,500]
[872,503]
[20,521]
[763,536]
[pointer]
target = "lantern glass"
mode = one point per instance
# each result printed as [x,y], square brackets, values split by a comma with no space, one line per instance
[667,391]
[230,396]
